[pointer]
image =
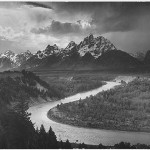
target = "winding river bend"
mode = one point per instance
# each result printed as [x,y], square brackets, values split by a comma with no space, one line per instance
[80,134]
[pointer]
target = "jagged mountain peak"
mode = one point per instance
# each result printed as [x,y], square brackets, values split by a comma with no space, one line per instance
[51,47]
[71,45]
[96,46]
[55,46]
[13,60]
[48,47]
[28,52]
[102,39]
[89,50]
[89,38]
[8,53]
[48,51]
[25,53]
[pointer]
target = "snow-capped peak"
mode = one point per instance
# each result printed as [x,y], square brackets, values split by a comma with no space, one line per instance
[25,55]
[96,46]
[28,52]
[71,44]
[55,46]
[7,54]
[49,50]
[70,47]
[16,59]
[90,45]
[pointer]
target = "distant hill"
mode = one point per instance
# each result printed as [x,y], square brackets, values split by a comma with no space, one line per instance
[118,59]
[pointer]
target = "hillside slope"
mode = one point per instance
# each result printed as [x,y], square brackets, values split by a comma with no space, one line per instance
[24,84]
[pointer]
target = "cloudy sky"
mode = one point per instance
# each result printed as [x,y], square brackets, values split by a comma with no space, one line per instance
[34,25]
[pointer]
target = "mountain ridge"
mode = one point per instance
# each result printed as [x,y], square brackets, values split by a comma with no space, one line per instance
[91,50]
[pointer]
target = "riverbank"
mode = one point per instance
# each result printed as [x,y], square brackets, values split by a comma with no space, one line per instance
[59,117]
[125,108]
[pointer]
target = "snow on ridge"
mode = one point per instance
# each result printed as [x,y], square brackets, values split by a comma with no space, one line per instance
[96,46]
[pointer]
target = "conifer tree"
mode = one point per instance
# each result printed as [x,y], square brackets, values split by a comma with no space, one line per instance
[42,140]
[52,140]
[67,145]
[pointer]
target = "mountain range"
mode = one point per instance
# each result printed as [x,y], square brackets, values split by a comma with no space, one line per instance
[91,53]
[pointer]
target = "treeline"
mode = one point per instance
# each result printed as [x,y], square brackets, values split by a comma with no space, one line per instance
[124,108]
[68,86]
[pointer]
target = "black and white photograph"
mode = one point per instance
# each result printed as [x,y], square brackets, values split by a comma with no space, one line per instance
[74,74]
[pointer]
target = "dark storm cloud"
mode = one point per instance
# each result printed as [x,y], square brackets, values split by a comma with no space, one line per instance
[125,16]
[38,4]
[75,7]
[57,27]
[64,28]
[108,16]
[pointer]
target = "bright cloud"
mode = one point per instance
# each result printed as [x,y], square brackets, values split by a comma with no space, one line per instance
[33,25]
[9,34]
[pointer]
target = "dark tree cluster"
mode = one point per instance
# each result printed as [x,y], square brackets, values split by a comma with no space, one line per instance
[17,131]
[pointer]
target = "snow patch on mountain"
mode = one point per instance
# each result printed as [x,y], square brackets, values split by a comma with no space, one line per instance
[96,46]
[50,50]
[16,59]
[70,47]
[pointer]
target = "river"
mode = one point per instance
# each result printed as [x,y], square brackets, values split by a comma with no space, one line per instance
[80,134]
